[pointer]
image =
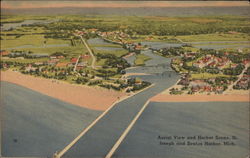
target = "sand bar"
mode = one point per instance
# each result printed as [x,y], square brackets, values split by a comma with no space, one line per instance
[89,97]
[201,98]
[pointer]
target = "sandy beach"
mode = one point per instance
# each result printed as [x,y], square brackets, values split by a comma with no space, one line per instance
[201,98]
[90,97]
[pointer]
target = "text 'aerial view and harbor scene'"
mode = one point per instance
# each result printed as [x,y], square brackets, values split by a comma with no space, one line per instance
[125,79]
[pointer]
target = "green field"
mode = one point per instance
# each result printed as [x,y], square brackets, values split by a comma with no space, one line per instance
[117,53]
[215,37]
[141,59]
[26,60]
[34,40]
[207,76]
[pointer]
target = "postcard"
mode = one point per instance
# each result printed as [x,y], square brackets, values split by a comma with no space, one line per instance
[125,79]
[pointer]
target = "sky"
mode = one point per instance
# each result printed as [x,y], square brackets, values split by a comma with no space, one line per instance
[117,4]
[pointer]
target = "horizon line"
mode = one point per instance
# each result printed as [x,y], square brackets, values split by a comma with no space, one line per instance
[118,4]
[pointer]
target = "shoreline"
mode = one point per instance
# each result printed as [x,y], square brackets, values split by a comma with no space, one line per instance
[229,96]
[81,95]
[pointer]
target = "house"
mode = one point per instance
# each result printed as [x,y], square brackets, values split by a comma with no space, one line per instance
[30,68]
[62,64]
[207,88]
[4,52]
[246,61]
[86,56]
[184,81]
[60,57]
[5,65]
[197,85]
[38,63]
[52,61]
[57,57]
[73,60]
[240,50]
[92,30]
[218,89]
[138,47]
[81,65]
[80,33]
[53,57]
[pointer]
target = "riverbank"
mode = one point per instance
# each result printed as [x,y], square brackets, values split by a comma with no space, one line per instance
[89,97]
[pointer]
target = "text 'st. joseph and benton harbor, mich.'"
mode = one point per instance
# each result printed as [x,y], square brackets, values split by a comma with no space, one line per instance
[125,79]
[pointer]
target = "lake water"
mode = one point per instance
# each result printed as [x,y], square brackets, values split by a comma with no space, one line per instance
[108,48]
[97,41]
[8,26]
[188,119]
[38,125]
[158,45]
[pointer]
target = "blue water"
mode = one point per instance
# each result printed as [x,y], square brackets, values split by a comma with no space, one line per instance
[97,41]
[188,119]
[8,26]
[38,125]
[131,59]
[108,48]
[158,45]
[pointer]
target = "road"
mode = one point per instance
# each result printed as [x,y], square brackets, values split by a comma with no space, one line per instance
[76,63]
[90,52]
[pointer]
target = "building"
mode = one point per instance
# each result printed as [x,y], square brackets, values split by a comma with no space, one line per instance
[73,60]
[4,52]
[62,64]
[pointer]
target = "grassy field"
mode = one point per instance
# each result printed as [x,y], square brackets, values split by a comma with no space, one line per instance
[207,76]
[100,62]
[26,60]
[141,59]
[117,53]
[69,50]
[34,40]
[154,38]
[106,45]
[214,37]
